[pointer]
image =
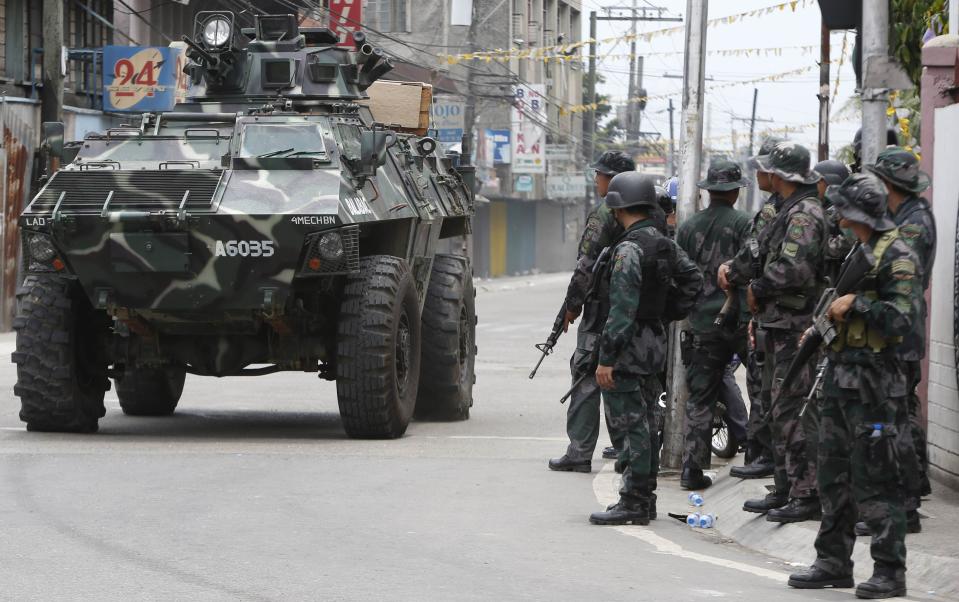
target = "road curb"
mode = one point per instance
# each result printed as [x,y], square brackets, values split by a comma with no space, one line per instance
[928,573]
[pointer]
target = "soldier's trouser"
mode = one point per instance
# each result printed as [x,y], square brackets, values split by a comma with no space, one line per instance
[732,397]
[704,376]
[758,435]
[912,441]
[858,466]
[631,405]
[582,415]
[794,436]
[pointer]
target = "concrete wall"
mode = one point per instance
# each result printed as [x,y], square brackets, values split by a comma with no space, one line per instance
[943,389]
[557,234]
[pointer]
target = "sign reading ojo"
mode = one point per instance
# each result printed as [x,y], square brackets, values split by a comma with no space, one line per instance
[140,79]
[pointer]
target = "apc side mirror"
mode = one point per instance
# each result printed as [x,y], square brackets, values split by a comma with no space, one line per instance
[53,138]
[373,145]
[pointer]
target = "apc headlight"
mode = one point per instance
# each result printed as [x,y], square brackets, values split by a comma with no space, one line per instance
[41,247]
[216,32]
[330,246]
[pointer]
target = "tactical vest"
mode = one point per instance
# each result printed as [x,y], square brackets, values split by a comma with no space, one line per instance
[855,333]
[657,269]
[771,253]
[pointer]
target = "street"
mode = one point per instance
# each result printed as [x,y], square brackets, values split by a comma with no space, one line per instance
[252,492]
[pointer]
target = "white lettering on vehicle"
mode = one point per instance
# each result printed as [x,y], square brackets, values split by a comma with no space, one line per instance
[357,205]
[35,221]
[244,248]
[313,220]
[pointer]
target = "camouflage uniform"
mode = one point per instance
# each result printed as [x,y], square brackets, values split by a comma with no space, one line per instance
[917,228]
[786,292]
[863,393]
[636,348]
[710,238]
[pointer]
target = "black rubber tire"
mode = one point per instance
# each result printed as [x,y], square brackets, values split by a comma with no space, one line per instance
[449,341]
[378,349]
[153,391]
[723,443]
[60,384]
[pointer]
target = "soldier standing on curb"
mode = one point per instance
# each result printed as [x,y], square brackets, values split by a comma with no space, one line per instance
[649,280]
[838,245]
[759,452]
[782,299]
[864,394]
[710,238]
[899,171]
[582,417]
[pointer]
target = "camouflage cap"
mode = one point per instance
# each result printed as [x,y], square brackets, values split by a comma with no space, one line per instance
[789,161]
[861,198]
[769,143]
[900,168]
[832,171]
[614,162]
[631,189]
[722,176]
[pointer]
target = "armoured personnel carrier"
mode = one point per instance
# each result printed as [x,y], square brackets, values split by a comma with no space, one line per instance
[267,224]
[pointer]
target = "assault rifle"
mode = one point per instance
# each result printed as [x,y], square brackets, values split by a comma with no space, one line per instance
[857,265]
[547,348]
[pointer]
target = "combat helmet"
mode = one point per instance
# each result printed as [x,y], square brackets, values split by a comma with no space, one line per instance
[611,163]
[832,171]
[632,189]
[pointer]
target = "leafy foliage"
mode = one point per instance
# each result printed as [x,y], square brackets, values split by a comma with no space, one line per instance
[909,21]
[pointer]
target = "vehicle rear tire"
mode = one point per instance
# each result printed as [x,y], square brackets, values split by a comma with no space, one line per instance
[449,341]
[60,356]
[378,349]
[153,391]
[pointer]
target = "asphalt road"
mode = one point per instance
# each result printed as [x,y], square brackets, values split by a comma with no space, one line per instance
[252,492]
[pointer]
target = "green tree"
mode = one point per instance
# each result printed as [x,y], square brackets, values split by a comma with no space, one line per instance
[910,20]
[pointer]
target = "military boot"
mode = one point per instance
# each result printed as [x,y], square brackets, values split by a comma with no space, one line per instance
[882,584]
[610,453]
[623,512]
[652,506]
[761,467]
[797,510]
[763,505]
[693,478]
[817,578]
[912,525]
[567,464]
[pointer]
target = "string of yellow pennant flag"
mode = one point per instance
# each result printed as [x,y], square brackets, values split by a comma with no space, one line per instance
[583,108]
[729,52]
[565,51]
[842,60]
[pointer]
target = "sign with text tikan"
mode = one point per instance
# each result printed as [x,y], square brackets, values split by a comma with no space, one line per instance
[529,139]
[346,16]
[140,79]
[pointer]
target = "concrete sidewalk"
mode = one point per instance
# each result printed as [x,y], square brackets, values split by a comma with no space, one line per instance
[932,556]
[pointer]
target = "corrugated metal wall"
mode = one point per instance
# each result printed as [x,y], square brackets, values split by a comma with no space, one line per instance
[16,162]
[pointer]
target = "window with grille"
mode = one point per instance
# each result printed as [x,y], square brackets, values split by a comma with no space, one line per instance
[387,15]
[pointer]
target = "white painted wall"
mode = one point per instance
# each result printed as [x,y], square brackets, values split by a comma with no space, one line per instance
[943,389]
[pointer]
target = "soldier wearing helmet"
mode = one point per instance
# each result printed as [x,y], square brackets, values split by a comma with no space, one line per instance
[648,281]
[582,417]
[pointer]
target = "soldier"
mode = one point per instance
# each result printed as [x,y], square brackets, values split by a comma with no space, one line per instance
[759,454]
[838,245]
[864,392]
[782,299]
[710,238]
[582,415]
[649,280]
[899,171]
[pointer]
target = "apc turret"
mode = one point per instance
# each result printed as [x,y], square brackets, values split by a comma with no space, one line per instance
[266,224]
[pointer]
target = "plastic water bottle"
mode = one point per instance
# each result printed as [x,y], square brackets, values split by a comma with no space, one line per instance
[707,521]
[693,519]
[695,499]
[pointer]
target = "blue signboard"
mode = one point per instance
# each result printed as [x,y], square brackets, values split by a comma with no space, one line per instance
[498,141]
[140,79]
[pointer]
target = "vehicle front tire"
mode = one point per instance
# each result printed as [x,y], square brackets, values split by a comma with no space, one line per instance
[378,349]
[60,356]
[152,391]
[449,341]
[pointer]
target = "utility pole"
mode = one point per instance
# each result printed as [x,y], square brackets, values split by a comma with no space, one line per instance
[469,111]
[823,95]
[632,129]
[694,70]
[875,38]
[590,124]
[671,159]
[51,96]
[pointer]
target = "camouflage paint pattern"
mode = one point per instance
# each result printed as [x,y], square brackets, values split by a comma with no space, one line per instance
[601,231]
[631,405]
[582,413]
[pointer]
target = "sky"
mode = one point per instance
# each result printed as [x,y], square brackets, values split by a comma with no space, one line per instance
[789,102]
